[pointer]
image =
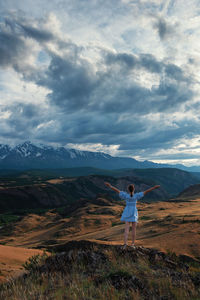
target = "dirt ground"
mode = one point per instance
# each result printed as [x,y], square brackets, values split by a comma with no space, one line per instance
[11,260]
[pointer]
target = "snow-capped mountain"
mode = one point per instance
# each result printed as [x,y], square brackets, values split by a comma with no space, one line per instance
[4,151]
[39,156]
[28,155]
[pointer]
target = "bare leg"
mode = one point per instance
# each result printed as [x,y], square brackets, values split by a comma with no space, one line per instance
[126,232]
[134,224]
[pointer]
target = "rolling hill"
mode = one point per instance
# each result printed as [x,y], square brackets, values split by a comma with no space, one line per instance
[68,191]
[191,192]
[63,187]
[166,226]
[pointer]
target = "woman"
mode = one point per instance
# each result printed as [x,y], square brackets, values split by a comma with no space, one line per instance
[130,213]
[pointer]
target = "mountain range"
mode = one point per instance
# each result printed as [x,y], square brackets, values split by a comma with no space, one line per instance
[28,155]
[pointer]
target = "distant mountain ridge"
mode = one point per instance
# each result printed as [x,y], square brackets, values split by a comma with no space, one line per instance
[172,180]
[190,193]
[31,156]
[68,192]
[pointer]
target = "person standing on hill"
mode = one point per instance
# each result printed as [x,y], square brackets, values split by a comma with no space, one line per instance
[130,213]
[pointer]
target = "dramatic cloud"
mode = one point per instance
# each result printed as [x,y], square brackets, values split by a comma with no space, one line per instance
[37,34]
[164,30]
[12,49]
[101,75]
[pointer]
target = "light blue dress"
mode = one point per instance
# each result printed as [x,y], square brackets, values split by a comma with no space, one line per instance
[130,213]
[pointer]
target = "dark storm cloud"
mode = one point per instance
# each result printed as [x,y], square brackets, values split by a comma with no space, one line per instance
[37,34]
[146,61]
[99,124]
[150,63]
[163,28]
[175,72]
[128,60]
[22,119]
[159,137]
[12,48]
[170,96]
[27,111]
[91,105]
[20,26]
[75,85]
[125,99]
[70,81]
[118,95]
[91,127]
[130,133]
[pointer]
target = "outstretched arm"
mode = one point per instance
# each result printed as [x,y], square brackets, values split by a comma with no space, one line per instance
[151,189]
[112,187]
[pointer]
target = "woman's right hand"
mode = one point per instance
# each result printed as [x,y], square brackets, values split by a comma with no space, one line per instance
[156,186]
[107,184]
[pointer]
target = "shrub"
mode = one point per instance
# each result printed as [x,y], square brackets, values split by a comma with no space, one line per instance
[97,222]
[35,261]
[145,218]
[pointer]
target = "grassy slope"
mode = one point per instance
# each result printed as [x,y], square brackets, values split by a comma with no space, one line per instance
[166,226]
[83,270]
[12,258]
[101,271]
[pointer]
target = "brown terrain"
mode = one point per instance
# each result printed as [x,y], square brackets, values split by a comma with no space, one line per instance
[167,226]
[12,259]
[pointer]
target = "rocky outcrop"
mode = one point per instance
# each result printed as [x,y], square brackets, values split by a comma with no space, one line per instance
[96,256]
[101,271]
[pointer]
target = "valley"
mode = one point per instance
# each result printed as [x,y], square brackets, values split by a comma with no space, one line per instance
[172,227]
[166,226]
[43,212]
[42,189]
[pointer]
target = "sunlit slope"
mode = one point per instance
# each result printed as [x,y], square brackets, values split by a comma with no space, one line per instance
[12,259]
[164,225]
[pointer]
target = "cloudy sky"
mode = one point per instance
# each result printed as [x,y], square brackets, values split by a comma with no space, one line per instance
[118,76]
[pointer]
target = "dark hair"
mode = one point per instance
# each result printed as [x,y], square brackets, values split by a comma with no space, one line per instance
[131,188]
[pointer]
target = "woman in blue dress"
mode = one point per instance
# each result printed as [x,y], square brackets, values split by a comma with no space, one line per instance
[130,213]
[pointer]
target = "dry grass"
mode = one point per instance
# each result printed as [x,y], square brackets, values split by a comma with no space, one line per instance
[162,225]
[101,282]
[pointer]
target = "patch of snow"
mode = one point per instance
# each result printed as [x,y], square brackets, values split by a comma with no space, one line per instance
[45,147]
[81,153]
[38,154]
[23,151]
[72,154]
